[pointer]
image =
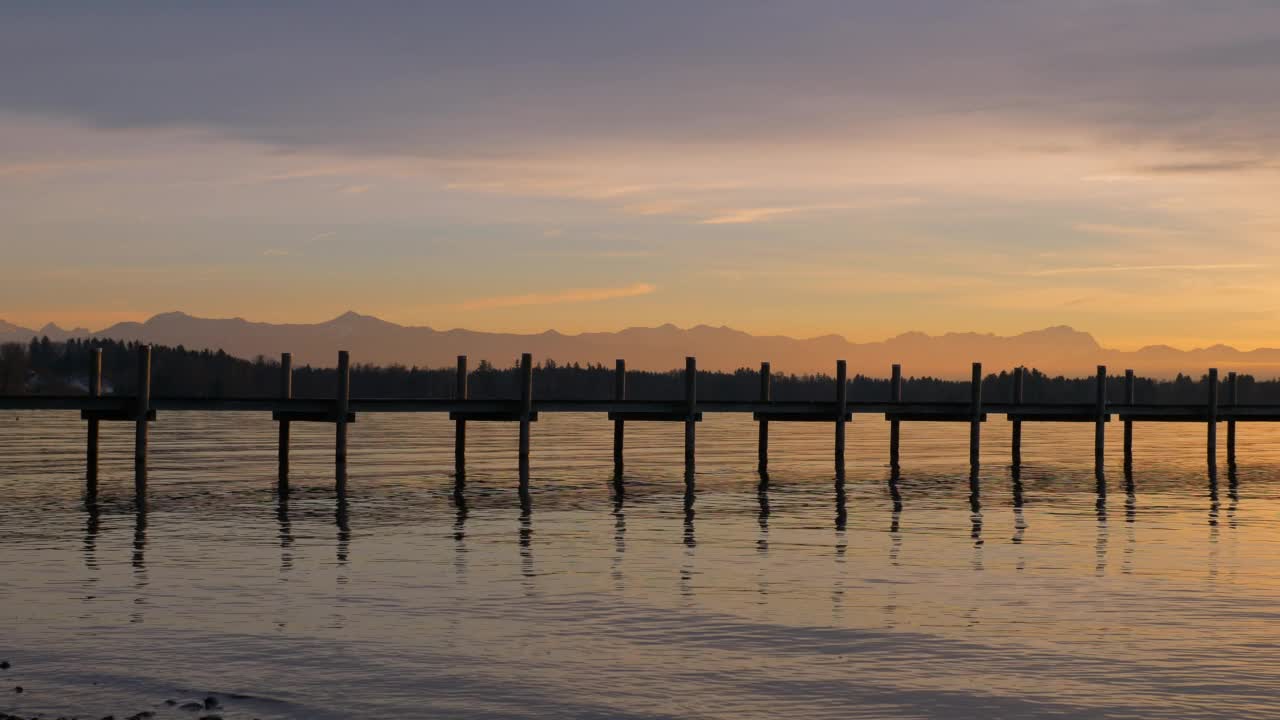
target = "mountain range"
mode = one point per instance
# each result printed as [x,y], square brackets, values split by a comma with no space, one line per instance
[1055,350]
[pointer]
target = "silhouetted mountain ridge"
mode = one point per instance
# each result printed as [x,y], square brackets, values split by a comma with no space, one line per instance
[1057,350]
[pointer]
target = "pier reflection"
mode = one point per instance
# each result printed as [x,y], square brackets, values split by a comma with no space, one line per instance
[138,560]
[459,526]
[284,530]
[342,518]
[1233,496]
[975,517]
[1019,518]
[619,533]
[1101,537]
[762,518]
[92,526]
[842,513]
[689,539]
[525,535]
[895,516]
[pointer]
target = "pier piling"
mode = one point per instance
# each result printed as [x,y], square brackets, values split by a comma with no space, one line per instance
[1233,399]
[141,412]
[286,392]
[91,450]
[1100,422]
[1130,393]
[342,406]
[766,395]
[526,412]
[1015,444]
[460,425]
[975,422]
[895,396]
[842,401]
[1212,455]
[691,408]
[619,394]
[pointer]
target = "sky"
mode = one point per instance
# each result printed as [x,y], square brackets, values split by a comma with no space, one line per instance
[798,168]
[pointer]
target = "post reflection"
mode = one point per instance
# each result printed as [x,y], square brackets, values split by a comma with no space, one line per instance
[1101,538]
[92,526]
[459,527]
[89,548]
[285,530]
[342,518]
[690,540]
[139,561]
[1019,519]
[762,519]
[895,516]
[841,547]
[1130,518]
[1233,496]
[975,518]
[525,536]
[1214,550]
[619,533]
[842,514]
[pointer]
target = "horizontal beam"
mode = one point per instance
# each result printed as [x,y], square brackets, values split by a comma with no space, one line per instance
[115,415]
[492,416]
[1056,417]
[109,406]
[941,416]
[321,416]
[639,416]
[792,416]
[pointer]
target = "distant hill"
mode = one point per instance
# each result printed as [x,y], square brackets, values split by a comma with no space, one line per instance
[1055,350]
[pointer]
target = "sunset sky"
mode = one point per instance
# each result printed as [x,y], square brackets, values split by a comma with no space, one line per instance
[849,167]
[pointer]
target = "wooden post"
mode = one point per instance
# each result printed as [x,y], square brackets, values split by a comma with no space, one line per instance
[1213,421]
[691,404]
[526,411]
[1100,421]
[91,451]
[895,395]
[619,394]
[342,405]
[1233,399]
[842,401]
[1130,393]
[766,395]
[1017,424]
[141,410]
[286,392]
[975,423]
[460,426]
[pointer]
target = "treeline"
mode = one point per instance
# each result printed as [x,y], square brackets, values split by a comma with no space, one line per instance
[60,368]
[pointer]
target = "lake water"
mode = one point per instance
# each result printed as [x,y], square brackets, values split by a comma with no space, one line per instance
[403,599]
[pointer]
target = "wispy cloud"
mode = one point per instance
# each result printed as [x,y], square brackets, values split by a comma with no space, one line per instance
[1204,167]
[1104,269]
[760,214]
[573,295]
[34,168]
[1129,231]
[748,215]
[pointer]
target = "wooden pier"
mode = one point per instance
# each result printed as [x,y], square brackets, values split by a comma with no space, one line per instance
[343,409]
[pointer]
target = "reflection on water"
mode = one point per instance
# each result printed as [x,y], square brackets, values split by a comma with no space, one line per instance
[567,591]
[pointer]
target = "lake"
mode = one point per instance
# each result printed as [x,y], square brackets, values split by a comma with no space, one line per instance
[929,596]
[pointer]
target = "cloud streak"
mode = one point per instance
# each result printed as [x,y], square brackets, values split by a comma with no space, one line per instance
[1107,269]
[572,295]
